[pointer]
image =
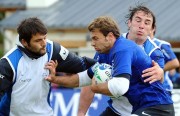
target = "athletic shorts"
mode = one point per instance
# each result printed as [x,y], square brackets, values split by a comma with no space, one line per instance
[159,110]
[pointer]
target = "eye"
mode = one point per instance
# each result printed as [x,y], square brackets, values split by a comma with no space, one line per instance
[138,20]
[147,22]
[38,40]
[94,38]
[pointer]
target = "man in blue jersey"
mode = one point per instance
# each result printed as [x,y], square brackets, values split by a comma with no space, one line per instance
[128,61]
[171,61]
[140,20]
[23,90]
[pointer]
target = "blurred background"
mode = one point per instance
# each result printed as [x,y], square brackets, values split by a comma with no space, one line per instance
[67,22]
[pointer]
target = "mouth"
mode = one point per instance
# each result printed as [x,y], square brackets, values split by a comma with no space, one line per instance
[44,48]
[96,49]
[139,33]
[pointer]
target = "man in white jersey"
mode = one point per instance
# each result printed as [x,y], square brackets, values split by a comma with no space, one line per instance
[140,21]
[23,89]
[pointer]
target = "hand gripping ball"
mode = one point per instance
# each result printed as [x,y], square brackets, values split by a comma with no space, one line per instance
[103,73]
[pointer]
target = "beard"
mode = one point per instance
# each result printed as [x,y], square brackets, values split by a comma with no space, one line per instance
[31,53]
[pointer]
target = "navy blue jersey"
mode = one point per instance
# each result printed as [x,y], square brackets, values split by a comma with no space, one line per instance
[128,58]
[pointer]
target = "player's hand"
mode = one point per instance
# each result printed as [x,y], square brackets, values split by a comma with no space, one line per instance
[51,65]
[154,73]
[92,69]
[93,81]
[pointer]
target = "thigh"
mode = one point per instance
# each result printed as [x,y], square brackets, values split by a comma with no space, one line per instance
[159,110]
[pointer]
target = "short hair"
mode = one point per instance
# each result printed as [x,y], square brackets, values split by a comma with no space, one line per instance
[133,11]
[105,24]
[29,27]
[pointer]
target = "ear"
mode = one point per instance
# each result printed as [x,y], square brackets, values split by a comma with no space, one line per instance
[129,23]
[111,36]
[24,43]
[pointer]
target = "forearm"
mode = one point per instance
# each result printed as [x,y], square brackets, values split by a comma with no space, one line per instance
[171,65]
[117,86]
[67,81]
[101,88]
[86,98]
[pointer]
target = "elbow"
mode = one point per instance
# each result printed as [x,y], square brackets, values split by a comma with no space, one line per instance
[118,86]
[176,63]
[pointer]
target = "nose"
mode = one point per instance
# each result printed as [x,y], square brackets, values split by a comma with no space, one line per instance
[44,42]
[92,43]
[141,25]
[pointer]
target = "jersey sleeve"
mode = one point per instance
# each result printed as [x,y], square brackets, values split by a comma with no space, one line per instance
[122,62]
[168,53]
[69,62]
[158,57]
[6,76]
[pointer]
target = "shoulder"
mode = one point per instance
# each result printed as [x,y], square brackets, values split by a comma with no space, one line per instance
[161,42]
[13,55]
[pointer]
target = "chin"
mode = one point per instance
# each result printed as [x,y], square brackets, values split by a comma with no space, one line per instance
[43,53]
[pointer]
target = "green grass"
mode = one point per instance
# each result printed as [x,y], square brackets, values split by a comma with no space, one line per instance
[1,53]
[1,38]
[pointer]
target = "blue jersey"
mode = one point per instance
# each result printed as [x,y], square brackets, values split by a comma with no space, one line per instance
[166,49]
[128,58]
[168,56]
[152,50]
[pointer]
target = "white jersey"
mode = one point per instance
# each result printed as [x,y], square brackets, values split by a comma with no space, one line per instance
[24,91]
[30,90]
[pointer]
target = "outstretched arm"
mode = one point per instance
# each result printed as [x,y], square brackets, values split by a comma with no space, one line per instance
[66,81]
[74,80]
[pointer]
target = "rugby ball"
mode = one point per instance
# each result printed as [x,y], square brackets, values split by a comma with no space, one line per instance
[102,73]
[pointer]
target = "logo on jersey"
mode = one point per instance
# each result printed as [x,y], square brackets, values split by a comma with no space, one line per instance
[1,76]
[63,53]
[25,80]
[145,114]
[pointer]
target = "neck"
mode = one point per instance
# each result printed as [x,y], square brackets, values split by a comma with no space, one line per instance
[29,53]
[137,40]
